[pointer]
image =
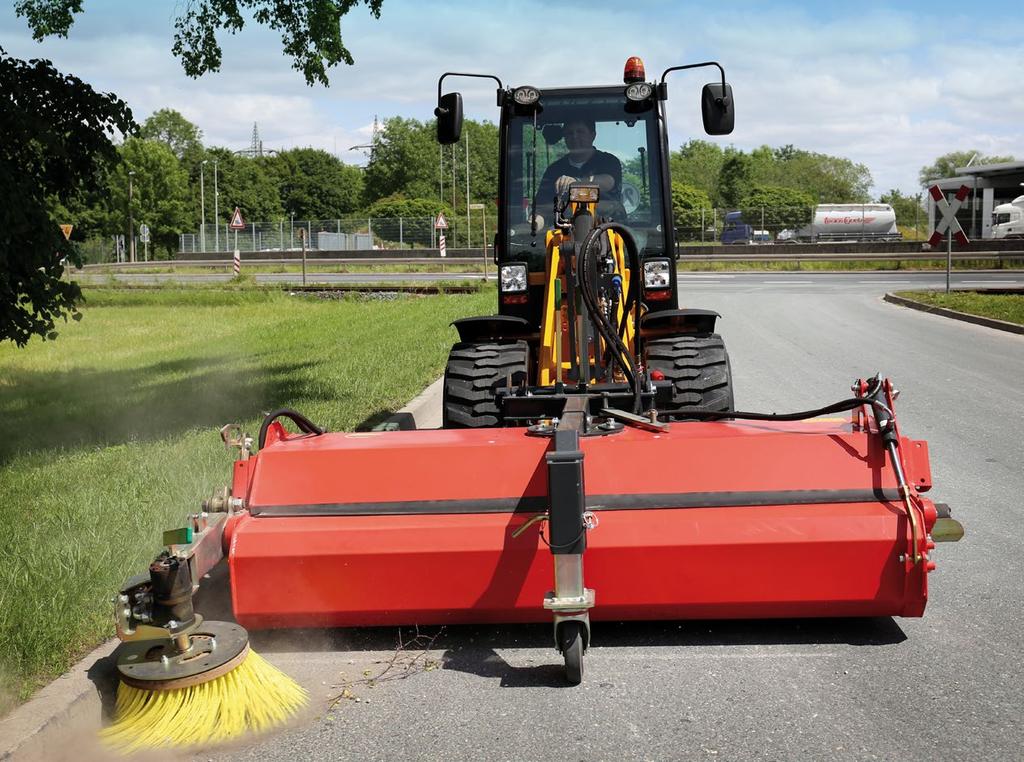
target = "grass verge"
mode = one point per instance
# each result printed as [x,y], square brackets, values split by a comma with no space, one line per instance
[1008,307]
[111,432]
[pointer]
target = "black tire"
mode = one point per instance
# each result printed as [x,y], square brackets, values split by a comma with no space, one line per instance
[475,371]
[572,640]
[698,367]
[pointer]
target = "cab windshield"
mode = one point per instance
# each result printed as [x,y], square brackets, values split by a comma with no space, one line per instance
[1001,218]
[590,137]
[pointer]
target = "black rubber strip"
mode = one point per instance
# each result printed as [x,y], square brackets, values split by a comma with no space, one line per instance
[594,503]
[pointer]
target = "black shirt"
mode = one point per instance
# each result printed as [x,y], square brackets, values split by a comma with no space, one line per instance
[600,163]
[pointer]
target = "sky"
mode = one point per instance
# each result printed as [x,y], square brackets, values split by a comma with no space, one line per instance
[888,85]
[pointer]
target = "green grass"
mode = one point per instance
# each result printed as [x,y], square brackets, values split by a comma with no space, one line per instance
[110,432]
[1009,307]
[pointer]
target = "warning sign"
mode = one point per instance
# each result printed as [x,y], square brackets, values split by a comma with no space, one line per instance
[237,223]
[441,245]
[66,230]
[441,223]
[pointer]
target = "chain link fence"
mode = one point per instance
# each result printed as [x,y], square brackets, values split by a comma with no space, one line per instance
[345,234]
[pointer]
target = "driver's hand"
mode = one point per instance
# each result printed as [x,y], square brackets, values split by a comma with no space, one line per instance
[562,183]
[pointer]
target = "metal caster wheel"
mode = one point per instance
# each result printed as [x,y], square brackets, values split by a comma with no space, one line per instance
[572,641]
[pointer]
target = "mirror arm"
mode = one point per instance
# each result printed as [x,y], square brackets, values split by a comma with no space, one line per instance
[663,89]
[501,87]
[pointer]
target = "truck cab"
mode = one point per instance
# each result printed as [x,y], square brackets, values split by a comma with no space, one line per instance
[1008,219]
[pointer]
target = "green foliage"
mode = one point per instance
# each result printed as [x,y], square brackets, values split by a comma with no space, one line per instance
[698,163]
[726,175]
[176,132]
[314,185]
[687,203]
[947,164]
[406,159]
[310,29]
[783,207]
[251,184]
[159,191]
[56,148]
[909,210]
[397,205]
[736,178]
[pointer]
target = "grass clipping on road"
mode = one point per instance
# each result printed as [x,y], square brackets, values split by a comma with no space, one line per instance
[112,433]
[1008,307]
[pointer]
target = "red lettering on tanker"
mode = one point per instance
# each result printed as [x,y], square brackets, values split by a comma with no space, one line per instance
[847,220]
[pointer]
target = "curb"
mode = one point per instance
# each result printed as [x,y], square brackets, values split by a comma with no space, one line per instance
[1000,325]
[59,722]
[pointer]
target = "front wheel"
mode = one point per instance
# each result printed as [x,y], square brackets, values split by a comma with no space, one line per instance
[475,373]
[698,367]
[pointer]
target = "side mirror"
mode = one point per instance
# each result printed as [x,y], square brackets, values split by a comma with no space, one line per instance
[717,108]
[449,118]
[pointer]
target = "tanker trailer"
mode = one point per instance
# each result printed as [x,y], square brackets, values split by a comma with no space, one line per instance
[848,222]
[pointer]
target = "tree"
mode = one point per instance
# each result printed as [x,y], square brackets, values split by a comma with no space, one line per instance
[781,207]
[160,191]
[56,148]
[910,211]
[315,185]
[310,29]
[687,205]
[406,160]
[176,132]
[947,165]
[698,163]
[735,179]
[251,184]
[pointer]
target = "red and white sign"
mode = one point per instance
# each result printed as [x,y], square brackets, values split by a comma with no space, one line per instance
[237,223]
[440,243]
[949,221]
[236,264]
[441,223]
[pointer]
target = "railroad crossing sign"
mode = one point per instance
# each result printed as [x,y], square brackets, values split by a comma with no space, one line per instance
[949,221]
[237,223]
[441,245]
[441,223]
[66,230]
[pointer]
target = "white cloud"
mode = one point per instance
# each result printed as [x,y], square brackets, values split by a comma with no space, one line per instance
[892,89]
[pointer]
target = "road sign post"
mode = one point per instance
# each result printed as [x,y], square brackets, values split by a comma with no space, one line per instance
[948,224]
[441,225]
[237,223]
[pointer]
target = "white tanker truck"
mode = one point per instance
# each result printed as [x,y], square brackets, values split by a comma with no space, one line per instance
[1008,219]
[847,222]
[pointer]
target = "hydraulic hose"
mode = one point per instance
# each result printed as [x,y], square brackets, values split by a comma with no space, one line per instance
[604,326]
[305,425]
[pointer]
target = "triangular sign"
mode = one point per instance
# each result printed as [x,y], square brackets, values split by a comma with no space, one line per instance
[66,230]
[237,223]
[441,223]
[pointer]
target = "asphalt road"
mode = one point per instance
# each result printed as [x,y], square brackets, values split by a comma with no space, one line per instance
[950,685]
[867,281]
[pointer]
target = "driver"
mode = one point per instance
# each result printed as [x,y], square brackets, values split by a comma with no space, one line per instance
[583,163]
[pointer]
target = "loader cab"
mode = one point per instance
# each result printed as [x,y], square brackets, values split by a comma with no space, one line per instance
[628,144]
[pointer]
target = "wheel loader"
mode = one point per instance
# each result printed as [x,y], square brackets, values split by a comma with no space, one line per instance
[590,418]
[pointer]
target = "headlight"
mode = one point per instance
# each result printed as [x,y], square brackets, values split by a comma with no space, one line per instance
[584,193]
[513,278]
[638,91]
[526,95]
[657,273]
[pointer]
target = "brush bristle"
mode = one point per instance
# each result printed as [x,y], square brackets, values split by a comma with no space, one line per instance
[253,697]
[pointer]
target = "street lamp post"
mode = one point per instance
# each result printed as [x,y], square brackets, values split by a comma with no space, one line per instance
[131,223]
[216,209]
[202,203]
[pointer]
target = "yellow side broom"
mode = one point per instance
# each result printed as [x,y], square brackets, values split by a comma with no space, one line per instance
[186,681]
